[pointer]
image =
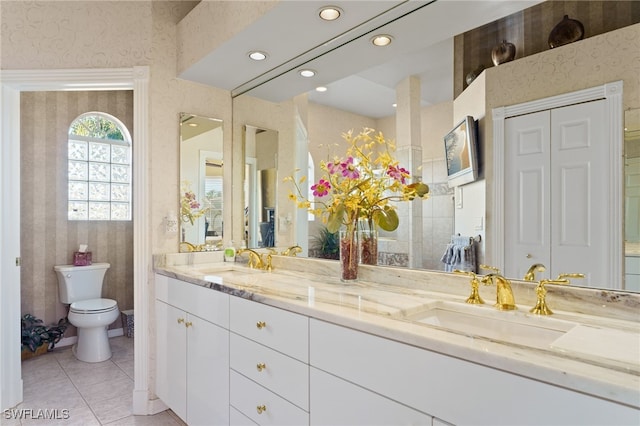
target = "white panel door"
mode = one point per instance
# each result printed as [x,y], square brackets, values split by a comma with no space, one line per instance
[579,216]
[556,175]
[171,358]
[207,372]
[527,195]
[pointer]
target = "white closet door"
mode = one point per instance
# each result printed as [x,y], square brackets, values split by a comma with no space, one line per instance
[556,182]
[527,195]
[580,170]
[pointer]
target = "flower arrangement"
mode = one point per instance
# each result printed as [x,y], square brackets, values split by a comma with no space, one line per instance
[360,185]
[189,206]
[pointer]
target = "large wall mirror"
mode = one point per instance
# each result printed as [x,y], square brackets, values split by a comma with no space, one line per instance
[201,182]
[323,124]
[260,186]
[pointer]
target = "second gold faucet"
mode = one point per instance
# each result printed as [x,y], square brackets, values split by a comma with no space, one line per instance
[504,294]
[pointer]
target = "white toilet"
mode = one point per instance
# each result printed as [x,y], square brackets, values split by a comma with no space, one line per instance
[81,287]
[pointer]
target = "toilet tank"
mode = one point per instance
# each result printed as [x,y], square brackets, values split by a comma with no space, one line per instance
[80,282]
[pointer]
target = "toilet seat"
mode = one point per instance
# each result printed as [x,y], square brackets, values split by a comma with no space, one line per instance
[93,306]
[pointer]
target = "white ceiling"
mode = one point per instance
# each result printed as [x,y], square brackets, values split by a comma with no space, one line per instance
[360,78]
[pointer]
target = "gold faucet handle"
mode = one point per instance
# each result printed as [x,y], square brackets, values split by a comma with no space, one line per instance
[461,272]
[541,307]
[566,276]
[490,268]
[474,298]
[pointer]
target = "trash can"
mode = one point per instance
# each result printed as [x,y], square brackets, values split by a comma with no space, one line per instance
[127,322]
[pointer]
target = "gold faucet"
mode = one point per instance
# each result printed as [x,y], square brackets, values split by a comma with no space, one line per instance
[255,259]
[189,247]
[541,307]
[531,273]
[504,294]
[474,298]
[292,251]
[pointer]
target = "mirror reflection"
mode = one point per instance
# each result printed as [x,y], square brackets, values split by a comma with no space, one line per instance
[632,199]
[260,186]
[450,211]
[201,183]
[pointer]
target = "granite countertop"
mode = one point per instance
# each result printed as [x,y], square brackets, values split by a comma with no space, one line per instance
[383,301]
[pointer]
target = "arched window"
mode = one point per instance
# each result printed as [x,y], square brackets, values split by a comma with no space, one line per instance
[99,167]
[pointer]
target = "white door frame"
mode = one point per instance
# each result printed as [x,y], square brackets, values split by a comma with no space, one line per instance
[612,94]
[12,82]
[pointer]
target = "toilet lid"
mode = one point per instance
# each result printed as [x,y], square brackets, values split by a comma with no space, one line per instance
[93,306]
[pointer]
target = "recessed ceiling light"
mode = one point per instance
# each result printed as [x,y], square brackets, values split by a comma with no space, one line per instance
[394,105]
[321,89]
[307,73]
[381,40]
[192,124]
[257,55]
[330,13]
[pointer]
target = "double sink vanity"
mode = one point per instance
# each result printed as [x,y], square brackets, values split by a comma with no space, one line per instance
[295,345]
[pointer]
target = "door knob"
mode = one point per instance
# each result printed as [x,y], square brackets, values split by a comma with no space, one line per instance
[261,324]
[261,408]
[261,366]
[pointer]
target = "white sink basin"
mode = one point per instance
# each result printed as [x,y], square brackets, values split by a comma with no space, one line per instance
[517,327]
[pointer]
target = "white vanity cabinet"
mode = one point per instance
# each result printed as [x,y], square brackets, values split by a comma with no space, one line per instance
[269,349]
[455,390]
[192,356]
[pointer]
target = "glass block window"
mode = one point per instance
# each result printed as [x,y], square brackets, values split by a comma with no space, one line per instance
[99,168]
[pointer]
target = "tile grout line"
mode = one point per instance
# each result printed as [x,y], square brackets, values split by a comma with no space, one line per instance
[78,390]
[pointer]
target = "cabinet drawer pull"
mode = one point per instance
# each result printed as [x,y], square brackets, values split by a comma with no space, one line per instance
[261,325]
[261,408]
[180,320]
[188,324]
[261,366]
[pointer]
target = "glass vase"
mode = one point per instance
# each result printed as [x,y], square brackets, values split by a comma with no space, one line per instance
[368,240]
[349,254]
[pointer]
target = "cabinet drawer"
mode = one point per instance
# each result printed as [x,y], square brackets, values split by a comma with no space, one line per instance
[337,402]
[278,329]
[236,418]
[435,384]
[279,373]
[263,406]
[203,302]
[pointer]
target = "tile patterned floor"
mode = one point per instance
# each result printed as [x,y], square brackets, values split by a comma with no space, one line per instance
[82,393]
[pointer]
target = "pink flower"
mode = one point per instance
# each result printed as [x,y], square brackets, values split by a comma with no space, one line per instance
[398,173]
[190,197]
[349,169]
[333,167]
[321,188]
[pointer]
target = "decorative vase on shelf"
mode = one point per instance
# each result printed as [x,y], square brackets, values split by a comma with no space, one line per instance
[368,240]
[349,254]
[566,31]
[503,52]
[474,74]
